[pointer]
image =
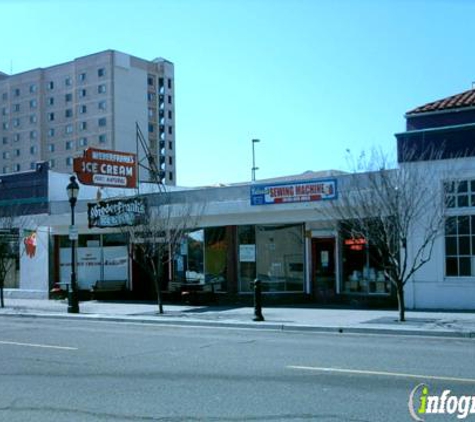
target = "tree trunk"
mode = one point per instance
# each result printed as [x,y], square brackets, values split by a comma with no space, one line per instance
[400,302]
[159,295]
[158,286]
[2,304]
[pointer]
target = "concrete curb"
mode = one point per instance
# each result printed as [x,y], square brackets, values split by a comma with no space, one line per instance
[265,325]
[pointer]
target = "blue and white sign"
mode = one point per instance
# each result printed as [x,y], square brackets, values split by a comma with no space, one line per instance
[285,193]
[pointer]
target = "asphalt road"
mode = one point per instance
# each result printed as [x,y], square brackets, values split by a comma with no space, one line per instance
[65,370]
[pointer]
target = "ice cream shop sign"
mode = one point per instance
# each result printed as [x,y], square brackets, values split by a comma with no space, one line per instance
[101,167]
[281,193]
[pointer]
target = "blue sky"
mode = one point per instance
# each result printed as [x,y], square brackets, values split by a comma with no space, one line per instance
[309,78]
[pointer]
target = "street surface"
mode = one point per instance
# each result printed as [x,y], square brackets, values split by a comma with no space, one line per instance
[81,371]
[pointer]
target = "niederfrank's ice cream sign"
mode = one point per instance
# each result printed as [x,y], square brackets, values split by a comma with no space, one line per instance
[285,193]
[117,213]
[101,167]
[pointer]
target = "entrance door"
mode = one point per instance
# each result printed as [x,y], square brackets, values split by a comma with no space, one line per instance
[323,269]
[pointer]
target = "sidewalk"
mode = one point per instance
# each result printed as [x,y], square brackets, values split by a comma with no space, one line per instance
[441,324]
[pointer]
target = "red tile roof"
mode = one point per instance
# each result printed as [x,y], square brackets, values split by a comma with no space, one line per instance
[463,100]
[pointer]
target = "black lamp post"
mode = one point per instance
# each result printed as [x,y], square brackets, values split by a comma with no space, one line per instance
[73,303]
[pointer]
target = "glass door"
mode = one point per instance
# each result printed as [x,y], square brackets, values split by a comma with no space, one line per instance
[323,269]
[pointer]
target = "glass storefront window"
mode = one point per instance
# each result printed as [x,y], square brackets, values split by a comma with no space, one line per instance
[109,261]
[194,258]
[362,270]
[246,257]
[216,251]
[274,254]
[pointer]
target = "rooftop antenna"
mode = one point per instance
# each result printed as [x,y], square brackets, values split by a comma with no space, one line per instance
[11,66]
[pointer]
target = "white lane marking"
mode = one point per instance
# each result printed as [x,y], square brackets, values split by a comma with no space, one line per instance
[44,346]
[381,373]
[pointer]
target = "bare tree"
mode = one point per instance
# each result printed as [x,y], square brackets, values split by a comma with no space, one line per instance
[398,210]
[154,242]
[157,239]
[9,253]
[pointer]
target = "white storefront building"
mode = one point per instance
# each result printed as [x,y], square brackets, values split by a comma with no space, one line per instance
[275,230]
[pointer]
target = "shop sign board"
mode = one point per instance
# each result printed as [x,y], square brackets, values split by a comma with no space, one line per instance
[117,212]
[100,167]
[73,233]
[285,193]
[247,253]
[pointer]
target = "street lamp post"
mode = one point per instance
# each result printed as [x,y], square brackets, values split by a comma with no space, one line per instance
[254,168]
[73,303]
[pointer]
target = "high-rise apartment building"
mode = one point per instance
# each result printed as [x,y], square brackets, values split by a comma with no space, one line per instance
[52,114]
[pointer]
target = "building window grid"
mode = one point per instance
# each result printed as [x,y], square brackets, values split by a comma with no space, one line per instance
[460,194]
[460,229]
[460,246]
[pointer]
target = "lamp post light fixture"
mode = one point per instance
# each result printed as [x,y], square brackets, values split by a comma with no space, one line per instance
[254,168]
[73,192]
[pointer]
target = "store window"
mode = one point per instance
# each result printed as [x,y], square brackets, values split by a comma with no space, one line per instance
[247,257]
[362,267]
[99,257]
[274,254]
[192,249]
[216,253]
